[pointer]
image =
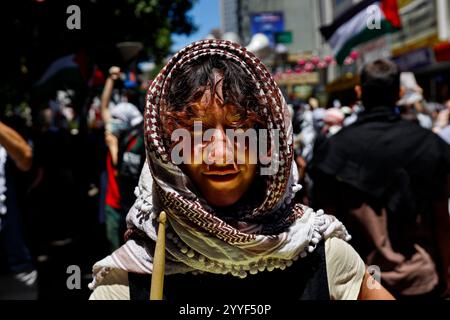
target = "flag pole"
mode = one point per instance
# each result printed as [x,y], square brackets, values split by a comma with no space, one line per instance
[156,290]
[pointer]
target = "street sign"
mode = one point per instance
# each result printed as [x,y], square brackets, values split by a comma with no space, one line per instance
[284,37]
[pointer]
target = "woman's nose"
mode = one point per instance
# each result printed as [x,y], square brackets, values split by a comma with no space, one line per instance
[220,149]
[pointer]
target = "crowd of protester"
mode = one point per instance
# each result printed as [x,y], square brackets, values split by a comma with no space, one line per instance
[67,180]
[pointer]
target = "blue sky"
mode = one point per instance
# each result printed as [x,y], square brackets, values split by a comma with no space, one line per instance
[206,15]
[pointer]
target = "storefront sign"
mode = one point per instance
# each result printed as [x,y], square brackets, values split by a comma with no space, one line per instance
[284,37]
[415,59]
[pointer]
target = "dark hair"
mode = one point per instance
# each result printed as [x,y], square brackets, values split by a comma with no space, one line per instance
[380,84]
[190,82]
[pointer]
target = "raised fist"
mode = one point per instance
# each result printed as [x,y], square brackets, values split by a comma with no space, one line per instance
[114,73]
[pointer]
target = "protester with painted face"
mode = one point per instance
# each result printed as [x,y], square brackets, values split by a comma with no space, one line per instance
[233,229]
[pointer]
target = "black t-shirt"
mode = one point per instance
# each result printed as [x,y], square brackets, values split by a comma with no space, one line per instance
[306,279]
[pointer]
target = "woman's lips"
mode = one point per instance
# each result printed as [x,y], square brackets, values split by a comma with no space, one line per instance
[222,176]
[221,173]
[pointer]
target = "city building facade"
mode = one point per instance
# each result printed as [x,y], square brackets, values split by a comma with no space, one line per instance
[422,46]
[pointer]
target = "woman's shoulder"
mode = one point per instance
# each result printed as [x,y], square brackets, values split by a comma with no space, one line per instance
[336,248]
[345,269]
[113,287]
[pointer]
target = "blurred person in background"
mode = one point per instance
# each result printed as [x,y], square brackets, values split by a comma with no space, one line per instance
[442,128]
[387,179]
[126,155]
[412,104]
[443,121]
[16,158]
[58,172]
[334,121]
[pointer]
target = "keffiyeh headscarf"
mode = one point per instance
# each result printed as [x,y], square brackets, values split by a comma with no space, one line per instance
[270,235]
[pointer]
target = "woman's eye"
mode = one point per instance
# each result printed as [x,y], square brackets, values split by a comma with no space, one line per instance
[240,125]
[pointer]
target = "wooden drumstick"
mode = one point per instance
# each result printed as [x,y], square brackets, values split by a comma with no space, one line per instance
[156,290]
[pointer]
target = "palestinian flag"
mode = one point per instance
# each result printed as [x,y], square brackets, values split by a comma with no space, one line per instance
[68,72]
[367,20]
[63,64]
